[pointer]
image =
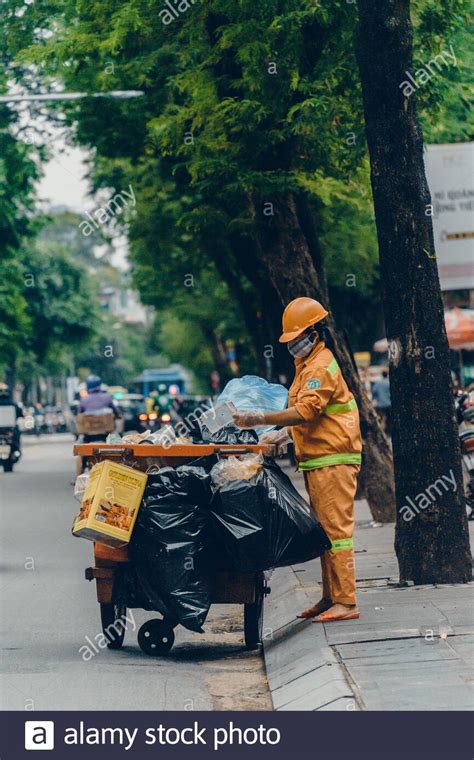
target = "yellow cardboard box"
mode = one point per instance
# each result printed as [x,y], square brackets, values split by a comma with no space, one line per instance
[110,504]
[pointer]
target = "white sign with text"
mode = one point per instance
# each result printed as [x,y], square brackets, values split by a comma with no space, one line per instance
[450,174]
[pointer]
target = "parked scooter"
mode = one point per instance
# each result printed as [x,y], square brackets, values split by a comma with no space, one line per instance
[10,451]
[10,413]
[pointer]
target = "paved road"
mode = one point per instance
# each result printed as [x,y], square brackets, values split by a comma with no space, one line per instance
[48,609]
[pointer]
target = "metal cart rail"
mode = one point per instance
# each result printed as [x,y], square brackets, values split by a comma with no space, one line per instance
[156,636]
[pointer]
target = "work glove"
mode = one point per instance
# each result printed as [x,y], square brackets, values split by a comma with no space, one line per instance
[249,419]
[276,437]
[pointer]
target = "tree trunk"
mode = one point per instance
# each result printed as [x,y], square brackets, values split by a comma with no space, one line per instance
[284,251]
[306,217]
[245,302]
[10,374]
[431,536]
[247,260]
[218,351]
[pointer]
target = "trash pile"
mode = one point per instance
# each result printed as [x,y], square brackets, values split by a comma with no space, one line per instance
[235,513]
[260,519]
[242,515]
[215,424]
[165,436]
[171,566]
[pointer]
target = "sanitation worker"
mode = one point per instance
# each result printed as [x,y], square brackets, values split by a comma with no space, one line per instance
[323,421]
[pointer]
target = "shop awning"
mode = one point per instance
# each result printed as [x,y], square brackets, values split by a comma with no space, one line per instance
[459,327]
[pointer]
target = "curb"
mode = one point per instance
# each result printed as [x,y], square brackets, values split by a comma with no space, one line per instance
[303,671]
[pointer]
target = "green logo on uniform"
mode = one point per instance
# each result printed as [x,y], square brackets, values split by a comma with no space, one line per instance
[314,384]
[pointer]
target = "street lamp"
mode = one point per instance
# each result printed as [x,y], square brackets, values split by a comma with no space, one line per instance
[120,94]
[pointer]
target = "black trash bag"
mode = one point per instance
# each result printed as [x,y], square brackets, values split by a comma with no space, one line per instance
[263,523]
[231,435]
[170,547]
[128,590]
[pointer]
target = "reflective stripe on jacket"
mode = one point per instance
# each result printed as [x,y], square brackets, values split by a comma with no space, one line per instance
[320,394]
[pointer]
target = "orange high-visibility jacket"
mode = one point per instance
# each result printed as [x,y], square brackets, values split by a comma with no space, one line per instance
[320,394]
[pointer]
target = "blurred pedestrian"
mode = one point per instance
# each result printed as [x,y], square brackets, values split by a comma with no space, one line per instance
[382,400]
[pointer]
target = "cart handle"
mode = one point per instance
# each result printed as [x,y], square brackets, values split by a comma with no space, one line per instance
[116,452]
[239,450]
[121,450]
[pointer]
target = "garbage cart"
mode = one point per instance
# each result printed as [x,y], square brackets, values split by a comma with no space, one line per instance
[156,636]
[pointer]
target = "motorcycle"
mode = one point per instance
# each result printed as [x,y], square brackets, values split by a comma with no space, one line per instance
[154,421]
[10,451]
[40,426]
[465,416]
[61,424]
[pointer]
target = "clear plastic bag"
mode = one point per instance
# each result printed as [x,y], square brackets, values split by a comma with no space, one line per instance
[252,392]
[218,417]
[163,437]
[236,468]
[80,485]
[114,438]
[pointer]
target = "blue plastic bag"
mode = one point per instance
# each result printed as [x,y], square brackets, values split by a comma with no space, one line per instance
[252,392]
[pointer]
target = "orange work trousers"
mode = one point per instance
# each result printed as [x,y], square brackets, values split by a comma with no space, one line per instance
[331,493]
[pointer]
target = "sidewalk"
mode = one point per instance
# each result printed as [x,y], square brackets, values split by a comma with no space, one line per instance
[411,649]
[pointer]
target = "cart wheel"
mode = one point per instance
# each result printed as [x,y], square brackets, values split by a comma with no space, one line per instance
[156,637]
[113,624]
[253,616]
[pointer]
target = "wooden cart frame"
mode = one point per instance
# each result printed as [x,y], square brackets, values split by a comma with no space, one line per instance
[156,636]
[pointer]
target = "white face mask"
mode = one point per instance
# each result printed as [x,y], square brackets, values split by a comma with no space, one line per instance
[302,346]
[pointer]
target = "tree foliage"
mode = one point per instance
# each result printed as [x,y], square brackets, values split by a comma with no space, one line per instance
[60,302]
[16,174]
[247,157]
[244,104]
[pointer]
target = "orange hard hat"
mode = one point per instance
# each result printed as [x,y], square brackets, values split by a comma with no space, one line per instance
[299,315]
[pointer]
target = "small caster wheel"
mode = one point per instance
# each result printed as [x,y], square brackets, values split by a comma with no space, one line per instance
[155,638]
[113,624]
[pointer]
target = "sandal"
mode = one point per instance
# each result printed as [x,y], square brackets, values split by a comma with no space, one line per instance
[349,615]
[311,612]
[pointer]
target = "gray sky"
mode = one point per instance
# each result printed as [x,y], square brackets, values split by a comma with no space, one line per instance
[63,183]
